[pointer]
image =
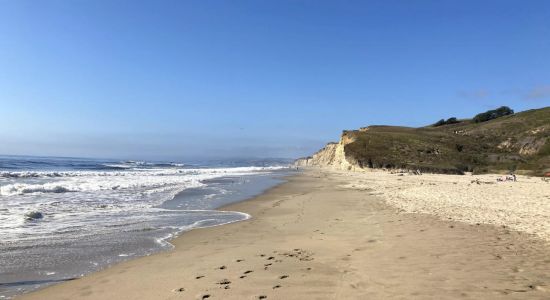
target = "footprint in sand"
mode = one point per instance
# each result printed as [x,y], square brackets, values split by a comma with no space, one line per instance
[222,267]
[180,290]
[199,277]
[224,282]
[239,260]
[249,271]
[242,276]
[283,276]
[262,297]
[205,296]
[277,286]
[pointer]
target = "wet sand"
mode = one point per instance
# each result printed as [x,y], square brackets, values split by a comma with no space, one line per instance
[313,238]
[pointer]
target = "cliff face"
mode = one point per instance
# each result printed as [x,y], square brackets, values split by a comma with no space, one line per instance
[519,143]
[333,155]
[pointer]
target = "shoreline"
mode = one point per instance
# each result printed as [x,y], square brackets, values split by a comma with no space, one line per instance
[312,238]
[219,192]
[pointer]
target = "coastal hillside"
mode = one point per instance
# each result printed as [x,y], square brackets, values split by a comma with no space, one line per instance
[495,141]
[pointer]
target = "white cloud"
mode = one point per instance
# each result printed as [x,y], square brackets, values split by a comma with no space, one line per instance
[538,92]
[474,94]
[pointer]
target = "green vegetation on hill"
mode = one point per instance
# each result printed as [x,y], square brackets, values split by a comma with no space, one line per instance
[493,114]
[449,121]
[504,142]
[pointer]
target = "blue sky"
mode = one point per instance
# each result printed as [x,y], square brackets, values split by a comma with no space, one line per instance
[188,79]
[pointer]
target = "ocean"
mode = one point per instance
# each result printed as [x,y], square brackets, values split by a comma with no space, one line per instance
[61,218]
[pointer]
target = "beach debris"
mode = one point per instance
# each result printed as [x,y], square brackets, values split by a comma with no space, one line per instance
[224,282]
[33,215]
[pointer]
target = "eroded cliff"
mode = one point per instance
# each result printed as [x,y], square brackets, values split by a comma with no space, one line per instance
[519,143]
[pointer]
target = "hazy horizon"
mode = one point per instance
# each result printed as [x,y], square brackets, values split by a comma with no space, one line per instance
[174,80]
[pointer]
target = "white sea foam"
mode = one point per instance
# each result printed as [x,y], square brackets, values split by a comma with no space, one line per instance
[86,181]
[72,200]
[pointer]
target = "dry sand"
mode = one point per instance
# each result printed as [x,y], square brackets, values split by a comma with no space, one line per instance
[523,205]
[316,238]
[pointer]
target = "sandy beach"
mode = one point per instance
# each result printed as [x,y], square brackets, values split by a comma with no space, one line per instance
[523,205]
[336,235]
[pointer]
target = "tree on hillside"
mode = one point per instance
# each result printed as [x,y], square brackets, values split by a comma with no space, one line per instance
[442,122]
[493,114]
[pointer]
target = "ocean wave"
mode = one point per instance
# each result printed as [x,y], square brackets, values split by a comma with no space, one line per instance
[116,166]
[18,189]
[141,165]
[26,174]
[124,171]
[88,181]
[143,185]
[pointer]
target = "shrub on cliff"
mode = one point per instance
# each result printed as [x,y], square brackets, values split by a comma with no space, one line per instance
[493,114]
